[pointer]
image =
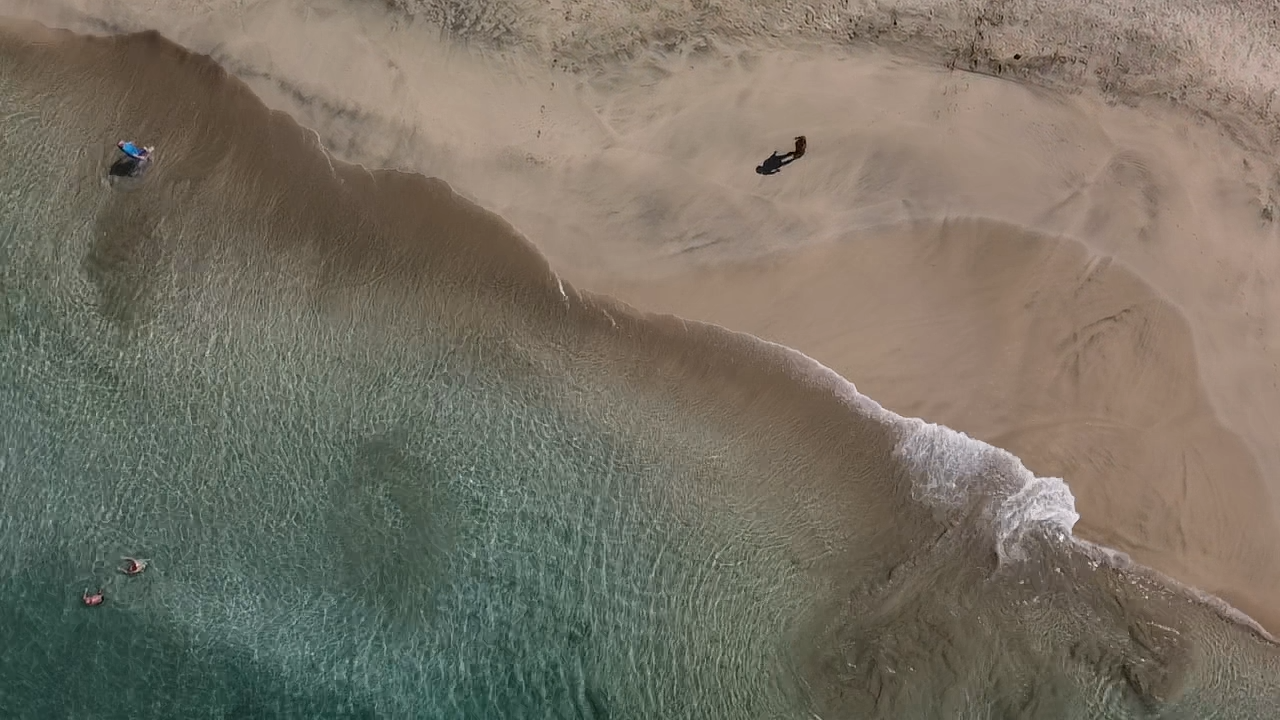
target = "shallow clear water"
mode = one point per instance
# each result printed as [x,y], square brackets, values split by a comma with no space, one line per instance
[383,464]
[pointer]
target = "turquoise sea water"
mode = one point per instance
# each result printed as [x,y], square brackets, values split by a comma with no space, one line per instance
[384,464]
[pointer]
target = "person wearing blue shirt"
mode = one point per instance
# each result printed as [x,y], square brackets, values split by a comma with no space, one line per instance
[133,151]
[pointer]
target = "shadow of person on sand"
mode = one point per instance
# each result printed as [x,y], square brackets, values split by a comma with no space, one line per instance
[775,162]
[125,167]
[128,173]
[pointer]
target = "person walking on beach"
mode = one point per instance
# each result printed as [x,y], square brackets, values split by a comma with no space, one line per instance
[774,162]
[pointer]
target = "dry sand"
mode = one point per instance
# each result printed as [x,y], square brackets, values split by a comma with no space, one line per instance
[1084,282]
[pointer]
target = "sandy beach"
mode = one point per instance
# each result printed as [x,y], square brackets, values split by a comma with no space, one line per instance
[1055,232]
[1116,329]
[1080,283]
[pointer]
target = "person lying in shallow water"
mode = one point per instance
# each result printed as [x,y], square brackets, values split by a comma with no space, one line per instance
[134,151]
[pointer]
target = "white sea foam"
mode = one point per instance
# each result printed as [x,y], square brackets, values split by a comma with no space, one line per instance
[957,475]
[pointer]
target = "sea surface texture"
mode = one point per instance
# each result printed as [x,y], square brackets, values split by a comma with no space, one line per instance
[384,463]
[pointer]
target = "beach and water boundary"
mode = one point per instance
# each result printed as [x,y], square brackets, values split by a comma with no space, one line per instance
[126,319]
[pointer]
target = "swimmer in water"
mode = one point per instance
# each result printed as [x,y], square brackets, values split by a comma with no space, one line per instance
[93,599]
[134,151]
[133,566]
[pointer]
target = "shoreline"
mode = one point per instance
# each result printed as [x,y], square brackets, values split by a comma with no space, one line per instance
[1198,540]
[1124,177]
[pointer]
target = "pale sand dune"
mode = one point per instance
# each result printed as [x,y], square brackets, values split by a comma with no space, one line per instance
[639,182]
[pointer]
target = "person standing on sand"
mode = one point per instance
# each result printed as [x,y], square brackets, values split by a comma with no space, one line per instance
[801,145]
